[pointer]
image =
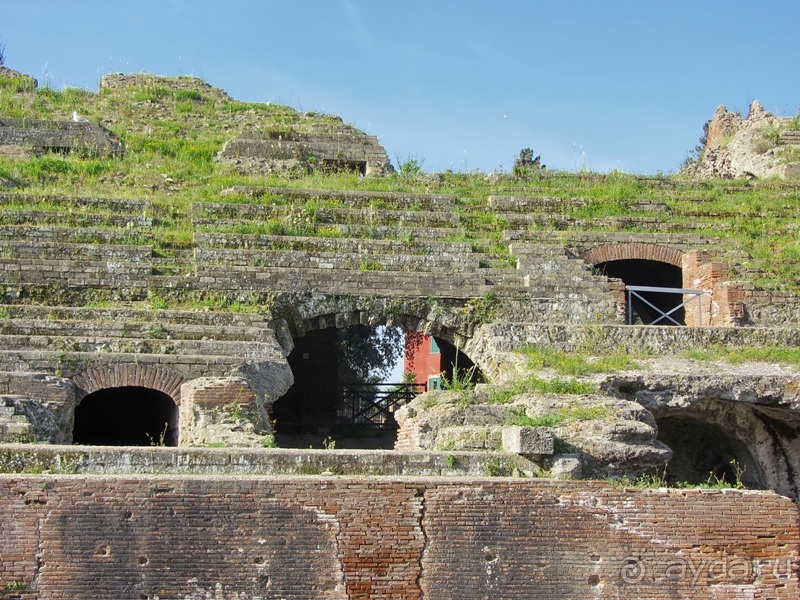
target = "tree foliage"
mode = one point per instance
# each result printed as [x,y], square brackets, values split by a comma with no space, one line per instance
[367,354]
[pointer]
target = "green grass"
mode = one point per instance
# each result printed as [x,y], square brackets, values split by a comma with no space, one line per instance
[789,355]
[533,384]
[518,416]
[574,364]
[175,133]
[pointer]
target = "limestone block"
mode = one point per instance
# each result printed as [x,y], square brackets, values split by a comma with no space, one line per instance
[528,440]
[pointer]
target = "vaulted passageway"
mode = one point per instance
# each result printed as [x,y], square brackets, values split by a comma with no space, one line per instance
[349,381]
[126,416]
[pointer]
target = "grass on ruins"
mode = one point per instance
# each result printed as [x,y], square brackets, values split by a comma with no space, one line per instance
[172,135]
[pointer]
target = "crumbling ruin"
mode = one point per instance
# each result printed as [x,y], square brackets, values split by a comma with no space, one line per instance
[138,381]
[759,145]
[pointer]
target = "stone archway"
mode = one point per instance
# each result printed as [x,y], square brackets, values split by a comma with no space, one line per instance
[634,251]
[715,437]
[126,416]
[306,414]
[644,265]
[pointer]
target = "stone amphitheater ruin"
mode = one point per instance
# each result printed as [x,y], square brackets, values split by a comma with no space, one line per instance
[139,382]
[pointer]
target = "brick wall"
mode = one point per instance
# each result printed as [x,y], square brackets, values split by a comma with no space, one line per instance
[258,537]
[725,304]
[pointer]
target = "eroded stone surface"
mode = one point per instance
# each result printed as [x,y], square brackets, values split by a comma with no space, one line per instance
[754,146]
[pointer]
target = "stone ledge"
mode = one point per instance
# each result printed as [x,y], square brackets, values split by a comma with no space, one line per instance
[127,460]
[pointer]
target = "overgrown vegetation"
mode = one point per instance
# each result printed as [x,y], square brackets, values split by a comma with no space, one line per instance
[172,130]
[774,354]
[518,416]
[534,384]
[577,365]
[661,479]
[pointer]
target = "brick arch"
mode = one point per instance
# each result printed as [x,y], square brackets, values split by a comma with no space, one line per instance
[129,375]
[634,251]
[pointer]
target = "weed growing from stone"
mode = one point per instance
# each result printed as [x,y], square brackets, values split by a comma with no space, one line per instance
[531,383]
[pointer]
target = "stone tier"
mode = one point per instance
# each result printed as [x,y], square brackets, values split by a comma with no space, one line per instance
[349,198]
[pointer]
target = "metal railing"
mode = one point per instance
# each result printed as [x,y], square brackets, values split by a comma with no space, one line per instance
[372,404]
[694,295]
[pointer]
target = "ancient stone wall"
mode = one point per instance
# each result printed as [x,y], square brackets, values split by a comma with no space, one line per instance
[62,136]
[223,537]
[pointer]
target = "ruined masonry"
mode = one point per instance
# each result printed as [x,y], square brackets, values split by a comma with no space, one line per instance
[198,346]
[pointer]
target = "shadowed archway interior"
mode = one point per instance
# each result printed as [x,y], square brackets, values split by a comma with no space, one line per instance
[654,274]
[328,365]
[705,453]
[126,416]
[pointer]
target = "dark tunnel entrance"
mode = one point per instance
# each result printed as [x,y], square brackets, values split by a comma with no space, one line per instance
[126,416]
[651,273]
[705,453]
[348,382]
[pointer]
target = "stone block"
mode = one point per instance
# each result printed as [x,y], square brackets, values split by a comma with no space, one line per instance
[528,440]
[566,466]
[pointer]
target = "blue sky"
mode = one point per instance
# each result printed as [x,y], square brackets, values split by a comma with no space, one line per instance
[459,85]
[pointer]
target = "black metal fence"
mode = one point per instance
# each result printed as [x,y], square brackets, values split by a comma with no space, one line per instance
[373,404]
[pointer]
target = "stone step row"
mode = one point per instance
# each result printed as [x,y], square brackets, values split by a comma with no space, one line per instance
[394,283]
[340,231]
[208,258]
[75,219]
[75,343]
[330,244]
[72,363]
[47,252]
[147,330]
[557,204]
[132,317]
[56,202]
[611,223]
[207,214]
[77,235]
[351,198]
[76,273]
[789,137]
[363,282]
[14,427]
[565,239]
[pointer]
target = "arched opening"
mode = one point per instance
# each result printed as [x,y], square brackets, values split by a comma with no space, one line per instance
[126,416]
[704,452]
[348,382]
[650,273]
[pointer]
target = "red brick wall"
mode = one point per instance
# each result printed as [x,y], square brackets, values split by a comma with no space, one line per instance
[260,537]
[725,305]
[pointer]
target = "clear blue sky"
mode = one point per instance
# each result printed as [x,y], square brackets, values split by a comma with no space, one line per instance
[462,85]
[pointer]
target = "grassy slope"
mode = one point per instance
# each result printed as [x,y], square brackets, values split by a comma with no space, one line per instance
[172,130]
